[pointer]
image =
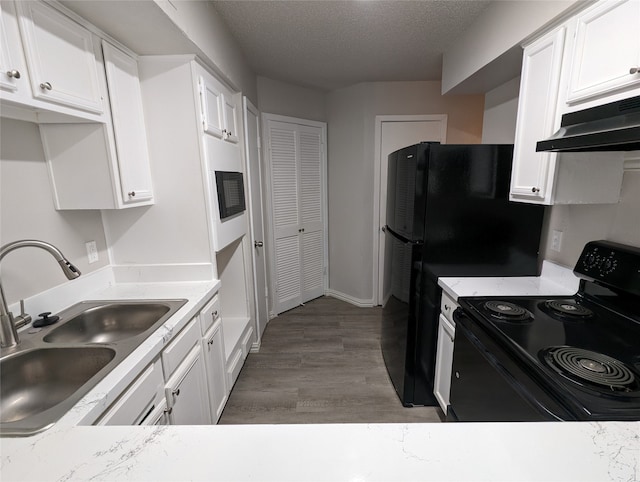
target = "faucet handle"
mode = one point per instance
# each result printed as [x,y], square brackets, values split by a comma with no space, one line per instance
[23,318]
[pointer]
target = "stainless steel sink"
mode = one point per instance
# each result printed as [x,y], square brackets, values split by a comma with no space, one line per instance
[108,323]
[34,381]
[52,368]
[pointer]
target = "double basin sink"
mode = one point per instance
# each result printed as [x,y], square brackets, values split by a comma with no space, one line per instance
[54,367]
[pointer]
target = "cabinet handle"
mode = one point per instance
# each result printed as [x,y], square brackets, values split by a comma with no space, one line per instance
[46,86]
[132,194]
[215,314]
[535,189]
[13,74]
[168,410]
[634,70]
[446,307]
[176,392]
[210,342]
[301,230]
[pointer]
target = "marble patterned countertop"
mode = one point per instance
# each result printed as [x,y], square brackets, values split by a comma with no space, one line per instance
[570,451]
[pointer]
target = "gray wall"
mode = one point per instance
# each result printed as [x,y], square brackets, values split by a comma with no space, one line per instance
[351,116]
[277,97]
[500,113]
[27,212]
[578,223]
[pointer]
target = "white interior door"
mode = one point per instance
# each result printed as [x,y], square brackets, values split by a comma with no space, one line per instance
[393,133]
[254,173]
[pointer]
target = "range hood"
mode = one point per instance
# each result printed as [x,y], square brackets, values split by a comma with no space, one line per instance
[608,127]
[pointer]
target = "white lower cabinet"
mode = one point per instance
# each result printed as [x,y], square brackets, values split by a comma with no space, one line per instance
[213,348]
[186,392]
[142,403]
[444,352]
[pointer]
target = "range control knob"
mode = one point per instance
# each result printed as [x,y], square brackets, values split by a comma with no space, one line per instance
[608,265]
[591,260]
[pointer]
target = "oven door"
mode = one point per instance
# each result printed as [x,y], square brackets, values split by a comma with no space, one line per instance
[487,385]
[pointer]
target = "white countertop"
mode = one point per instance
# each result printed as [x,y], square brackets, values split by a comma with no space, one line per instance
[554,280]
[354,452]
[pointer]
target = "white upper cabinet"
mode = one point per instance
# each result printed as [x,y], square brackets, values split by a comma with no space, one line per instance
[128,125]
[61,56]
[13,69]
[606,52]
[212,107]
[230,118]
[219,110]
[537,118]
[573,63]
[103,166]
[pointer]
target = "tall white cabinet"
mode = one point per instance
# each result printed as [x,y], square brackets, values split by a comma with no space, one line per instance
[296,171]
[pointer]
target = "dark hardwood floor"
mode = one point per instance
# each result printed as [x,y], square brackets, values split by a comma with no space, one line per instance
[320,363]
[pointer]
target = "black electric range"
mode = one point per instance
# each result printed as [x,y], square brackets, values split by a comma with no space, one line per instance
[554,358]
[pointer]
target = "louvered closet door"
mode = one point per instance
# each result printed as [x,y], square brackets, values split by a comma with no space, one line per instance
[312,236]
[295,156]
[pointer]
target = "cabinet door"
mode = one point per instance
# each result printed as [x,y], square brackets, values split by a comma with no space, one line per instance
[532,175]
[211,107]
[444,362]
[186,392]
[61,58]
[606,54]
[125,100]
[213,347]
[230,113]
[13,70]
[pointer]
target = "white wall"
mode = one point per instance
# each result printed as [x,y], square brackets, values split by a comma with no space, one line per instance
[501,27]
[578,223]
[351,116]
[27,212]
[582,223]
[203,26]
[500,113]
[277,97]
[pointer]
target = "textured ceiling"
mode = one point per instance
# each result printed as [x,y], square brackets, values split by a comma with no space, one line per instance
[332,44]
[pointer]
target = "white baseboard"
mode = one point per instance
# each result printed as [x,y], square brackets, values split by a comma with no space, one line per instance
[255,347]
[350,299]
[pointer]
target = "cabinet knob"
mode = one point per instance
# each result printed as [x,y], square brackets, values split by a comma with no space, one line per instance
[176,392]
[634,70]
[132,194]
[168,410]
[210,342]
[215,314]
[535,189]
[13,74]
[46,86]
[447,307]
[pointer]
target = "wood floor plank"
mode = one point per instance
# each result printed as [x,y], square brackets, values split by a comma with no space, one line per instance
[320,363]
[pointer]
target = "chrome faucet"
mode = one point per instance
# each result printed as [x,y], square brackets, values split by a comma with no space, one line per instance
[8,325]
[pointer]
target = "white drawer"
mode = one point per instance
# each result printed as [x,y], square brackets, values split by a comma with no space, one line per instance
[447,307]
[140,401]
[209,314]
[233,367]
[180,347]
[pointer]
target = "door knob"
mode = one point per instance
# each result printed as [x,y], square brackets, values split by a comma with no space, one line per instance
[258,244]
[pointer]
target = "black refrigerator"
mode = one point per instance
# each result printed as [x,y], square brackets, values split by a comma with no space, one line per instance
[448,214]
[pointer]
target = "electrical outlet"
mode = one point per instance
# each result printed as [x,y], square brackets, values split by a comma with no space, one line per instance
[92,251]
[556,240]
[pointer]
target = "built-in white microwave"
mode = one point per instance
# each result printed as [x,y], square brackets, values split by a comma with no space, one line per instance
[230,187]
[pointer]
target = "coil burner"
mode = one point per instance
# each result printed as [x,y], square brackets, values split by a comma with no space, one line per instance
[596,369]
[505,311]
[565,310]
